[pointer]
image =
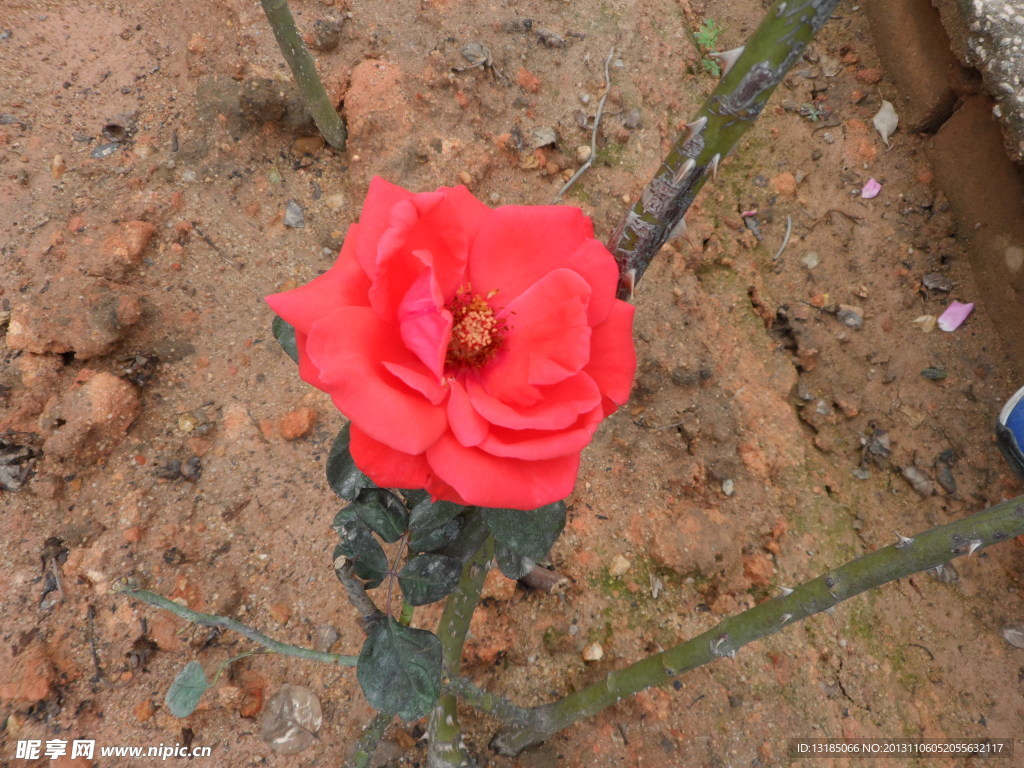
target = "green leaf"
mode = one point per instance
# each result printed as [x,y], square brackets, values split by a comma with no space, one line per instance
[186,690]
[512,564]
[429,578]
[472,536]
[413,496]
[364,551]
[399,669]
[344,477]
[433,539]
[426,515]
[434,525]
[382,511]
[285,336]
[529,533]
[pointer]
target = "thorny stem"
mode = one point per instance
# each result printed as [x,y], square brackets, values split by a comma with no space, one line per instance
[304,71]
[444,735]
[125,587]
[926,550]
[488,702]
[368,742]
[732,108]
[369,614]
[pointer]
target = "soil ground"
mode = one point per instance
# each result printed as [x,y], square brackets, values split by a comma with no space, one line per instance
[766,440]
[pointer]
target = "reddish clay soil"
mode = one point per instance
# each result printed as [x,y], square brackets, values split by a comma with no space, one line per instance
[168,438]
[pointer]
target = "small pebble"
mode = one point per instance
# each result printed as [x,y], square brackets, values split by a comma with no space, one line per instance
[465,178]
[919,481]
[294,216]
[57,166]
[593,652]
[324,637]
[850,316]
[582,153]
[728,486]
[308,145]
[585,98]
[810,259]
[619,566]
[1014,635]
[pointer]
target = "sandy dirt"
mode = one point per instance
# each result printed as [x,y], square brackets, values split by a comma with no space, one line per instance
[148,154]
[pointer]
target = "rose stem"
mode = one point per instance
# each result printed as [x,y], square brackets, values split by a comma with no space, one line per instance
[367,744]
[732,108]
[369,614]
[444,735]
[304,71]
[926,550]
[122,586]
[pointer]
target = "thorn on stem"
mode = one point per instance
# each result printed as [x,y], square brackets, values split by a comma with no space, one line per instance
[684,170]
[785,617]
[904,541]
[973,545]
[698,125]
[678,230]
[726,59]
[713,166]
[786,591]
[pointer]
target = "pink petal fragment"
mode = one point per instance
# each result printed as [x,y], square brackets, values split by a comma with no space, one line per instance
[871,189]
[955,315]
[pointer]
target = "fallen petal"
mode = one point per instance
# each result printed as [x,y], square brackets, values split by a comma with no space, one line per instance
[885,121]
[955,315]
[871,189]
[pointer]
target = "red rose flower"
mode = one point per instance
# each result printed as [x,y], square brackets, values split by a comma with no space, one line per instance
[474,351]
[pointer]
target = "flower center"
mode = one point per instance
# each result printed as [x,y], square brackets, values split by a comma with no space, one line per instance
[477,334]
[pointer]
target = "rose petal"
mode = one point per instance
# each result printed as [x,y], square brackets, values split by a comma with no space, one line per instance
[870,189]
[374,219]
[557,407]
[521,244]
[490,481]
[349,347]
[542,443]
[425,325]
[387,467]
[954,315]
[468,426]
[612,358]
[548,339]
[343,285]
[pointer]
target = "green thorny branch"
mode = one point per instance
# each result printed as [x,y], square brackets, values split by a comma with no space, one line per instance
[526,727]
[444,735]
[749,75]
[304,71]
[925,551]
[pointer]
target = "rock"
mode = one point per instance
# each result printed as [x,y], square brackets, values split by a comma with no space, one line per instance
[784,184]
[619,566]
[308,145]
[88,420]
[281,612]
[869,75]
[143,710]
[297,423]
[758,569]
[497,586]
[27,677]
[119,251]
[376,102]
[294,216]
[528,81]
[593,652]
[87,321]
[326,34]
[690,540]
